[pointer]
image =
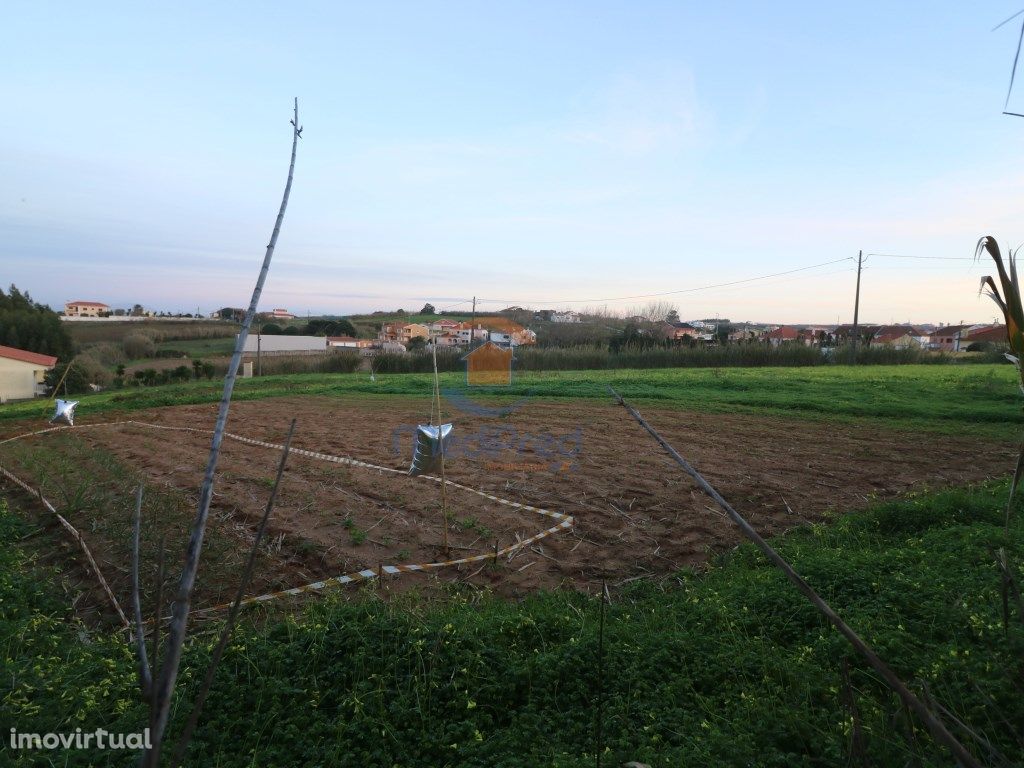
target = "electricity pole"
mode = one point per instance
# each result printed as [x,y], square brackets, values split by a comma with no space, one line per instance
[856,307]
[472,325]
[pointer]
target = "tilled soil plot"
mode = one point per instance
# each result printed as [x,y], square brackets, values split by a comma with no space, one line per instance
[636,514]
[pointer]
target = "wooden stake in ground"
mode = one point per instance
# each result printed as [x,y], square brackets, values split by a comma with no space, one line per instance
[938,730]
[440,444]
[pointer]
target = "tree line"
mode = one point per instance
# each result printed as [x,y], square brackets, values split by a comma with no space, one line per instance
[27,324]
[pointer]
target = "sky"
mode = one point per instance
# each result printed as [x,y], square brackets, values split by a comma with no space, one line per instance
[563,155]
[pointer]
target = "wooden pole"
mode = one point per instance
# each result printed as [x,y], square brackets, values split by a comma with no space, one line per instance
[440,445]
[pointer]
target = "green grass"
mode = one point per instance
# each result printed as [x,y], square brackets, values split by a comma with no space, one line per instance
[726,667]
[979,399]
[85,333]
[200,347]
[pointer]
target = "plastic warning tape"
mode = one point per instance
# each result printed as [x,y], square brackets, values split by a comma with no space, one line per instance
[564,521]
[74,534]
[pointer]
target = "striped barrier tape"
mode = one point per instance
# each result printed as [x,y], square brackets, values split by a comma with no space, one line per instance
[564,521]
[74,533]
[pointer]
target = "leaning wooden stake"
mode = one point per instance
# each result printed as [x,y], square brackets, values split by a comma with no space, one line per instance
[440,443]
[164,687]
[76,536]
[938,730]
[197,707]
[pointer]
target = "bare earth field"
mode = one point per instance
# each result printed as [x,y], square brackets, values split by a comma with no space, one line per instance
[636,515]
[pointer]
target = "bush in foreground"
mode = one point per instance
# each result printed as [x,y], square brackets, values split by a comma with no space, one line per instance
[727,667]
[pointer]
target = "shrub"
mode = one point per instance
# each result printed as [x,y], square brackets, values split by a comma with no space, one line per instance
[107,353]
[138,345]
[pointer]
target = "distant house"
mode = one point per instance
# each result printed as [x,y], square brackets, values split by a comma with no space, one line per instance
[467,333]
[993,334]
[350,342]
[85,308]
[565,317]
[949,338]
[782,335]
[22,372]
[403,333]
[844,333]
[745,332]
[524,337]
[897,336]
[677,331]
[281,314]
[447,340]
[488,365]
[443,325]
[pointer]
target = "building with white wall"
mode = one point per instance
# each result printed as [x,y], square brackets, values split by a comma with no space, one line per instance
[22,372]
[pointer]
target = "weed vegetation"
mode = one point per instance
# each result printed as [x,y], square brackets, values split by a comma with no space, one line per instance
[724,667]
[946,398]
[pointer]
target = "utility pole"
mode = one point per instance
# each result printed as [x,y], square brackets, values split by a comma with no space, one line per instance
[472,325]
[856,308]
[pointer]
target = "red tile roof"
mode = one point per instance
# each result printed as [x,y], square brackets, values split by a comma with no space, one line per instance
[88,303]
[995,334]
[24,356]
[785,332]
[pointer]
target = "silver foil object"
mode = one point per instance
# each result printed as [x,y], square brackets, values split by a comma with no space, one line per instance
[427,450]
[65,412]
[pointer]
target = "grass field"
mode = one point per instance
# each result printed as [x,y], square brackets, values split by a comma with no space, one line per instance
[980,398]
[194,348]
[726,667]
[711,657]
[85,333]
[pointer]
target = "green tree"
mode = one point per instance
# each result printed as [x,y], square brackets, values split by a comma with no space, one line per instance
[26,324]
[323,327]
[428,309]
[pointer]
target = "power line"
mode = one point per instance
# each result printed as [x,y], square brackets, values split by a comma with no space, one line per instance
[935,258]
[669,293]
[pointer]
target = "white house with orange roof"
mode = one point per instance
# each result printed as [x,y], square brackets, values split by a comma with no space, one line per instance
[85,308]
[22,372]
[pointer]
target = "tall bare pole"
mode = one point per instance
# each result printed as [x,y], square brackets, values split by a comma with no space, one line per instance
[856,308]
[164,687]
[472,325]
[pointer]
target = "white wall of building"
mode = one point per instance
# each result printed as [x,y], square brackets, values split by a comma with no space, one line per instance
[285,343]
[20,380]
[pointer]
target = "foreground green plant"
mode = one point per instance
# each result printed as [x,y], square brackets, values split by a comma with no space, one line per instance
[725,667]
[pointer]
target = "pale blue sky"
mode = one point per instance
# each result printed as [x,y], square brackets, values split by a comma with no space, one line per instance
[530,151]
